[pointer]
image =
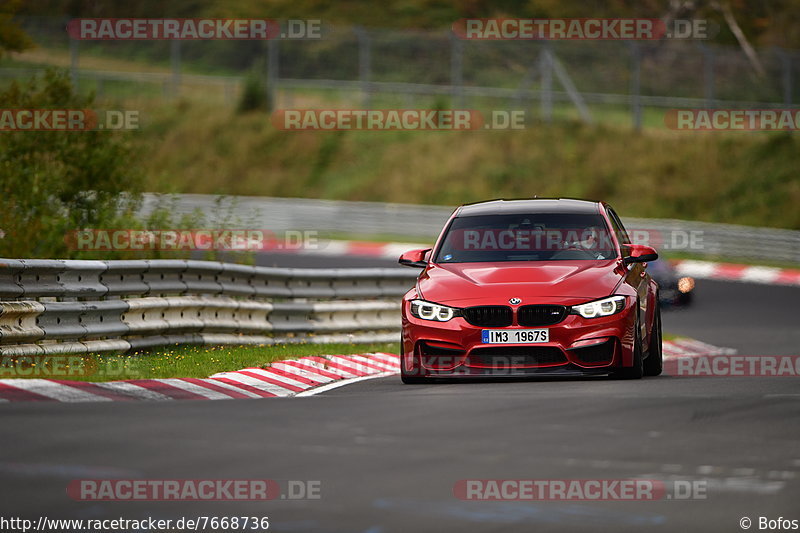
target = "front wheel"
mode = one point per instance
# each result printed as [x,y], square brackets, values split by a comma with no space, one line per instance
[409,377]
[654,362]
[411,380]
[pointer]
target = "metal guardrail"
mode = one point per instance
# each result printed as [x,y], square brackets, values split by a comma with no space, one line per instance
[425,222]
[66,306]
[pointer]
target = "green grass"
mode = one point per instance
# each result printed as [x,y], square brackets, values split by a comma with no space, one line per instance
[744,178]
[170,362]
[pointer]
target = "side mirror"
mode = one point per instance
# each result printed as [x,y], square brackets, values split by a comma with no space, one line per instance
[639,253]
[415,258]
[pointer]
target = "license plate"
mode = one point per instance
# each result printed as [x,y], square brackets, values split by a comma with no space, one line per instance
[515,336]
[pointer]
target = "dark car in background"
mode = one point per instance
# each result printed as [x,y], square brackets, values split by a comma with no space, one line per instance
[673,289]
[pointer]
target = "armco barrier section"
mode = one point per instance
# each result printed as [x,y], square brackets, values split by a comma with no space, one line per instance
[426,221]
[65,306]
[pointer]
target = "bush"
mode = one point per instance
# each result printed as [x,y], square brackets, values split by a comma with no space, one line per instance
[254,94]
[52,182]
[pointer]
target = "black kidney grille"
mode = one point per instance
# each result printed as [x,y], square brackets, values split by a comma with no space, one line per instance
[494,316]
[540,315]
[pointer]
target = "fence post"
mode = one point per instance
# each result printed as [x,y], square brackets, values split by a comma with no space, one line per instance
[546,66]
[636,85]
[175,59]
[786,75]
[272,72]
[364,65]
[73,62]
[708,75]
[456,71]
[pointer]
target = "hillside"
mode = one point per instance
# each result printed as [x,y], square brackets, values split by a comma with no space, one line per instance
[723,177]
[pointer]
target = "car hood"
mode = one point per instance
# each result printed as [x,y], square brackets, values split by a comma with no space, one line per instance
[462,284]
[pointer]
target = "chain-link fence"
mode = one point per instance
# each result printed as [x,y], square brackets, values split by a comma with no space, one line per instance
[627,81]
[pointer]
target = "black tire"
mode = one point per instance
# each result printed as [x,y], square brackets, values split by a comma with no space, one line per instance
[654,362]
[637,370]
[411,380]
[406,377]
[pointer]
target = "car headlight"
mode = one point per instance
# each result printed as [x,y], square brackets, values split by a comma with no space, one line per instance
[685,285]
[605,307]
[431,311]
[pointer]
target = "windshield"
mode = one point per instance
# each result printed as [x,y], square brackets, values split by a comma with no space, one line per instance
[526,237]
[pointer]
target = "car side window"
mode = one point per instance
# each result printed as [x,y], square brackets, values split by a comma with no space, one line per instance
[619,229]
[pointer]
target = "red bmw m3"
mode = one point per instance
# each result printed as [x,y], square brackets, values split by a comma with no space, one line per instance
[531,287]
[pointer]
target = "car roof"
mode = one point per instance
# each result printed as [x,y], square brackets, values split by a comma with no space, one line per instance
[531,205]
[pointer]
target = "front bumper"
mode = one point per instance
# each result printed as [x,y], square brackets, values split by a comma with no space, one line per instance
[577,346]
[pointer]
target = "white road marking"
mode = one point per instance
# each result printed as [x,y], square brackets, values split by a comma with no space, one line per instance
[337,384]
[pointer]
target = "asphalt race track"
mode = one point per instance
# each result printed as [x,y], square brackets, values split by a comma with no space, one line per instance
[388,456]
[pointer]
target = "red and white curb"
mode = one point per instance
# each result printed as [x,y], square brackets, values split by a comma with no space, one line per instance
[685,267]
[331,247]
[692,347]
[734,272]
[296,377]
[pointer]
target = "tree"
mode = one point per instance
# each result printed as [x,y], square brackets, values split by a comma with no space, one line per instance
[12,37]
[54,182]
